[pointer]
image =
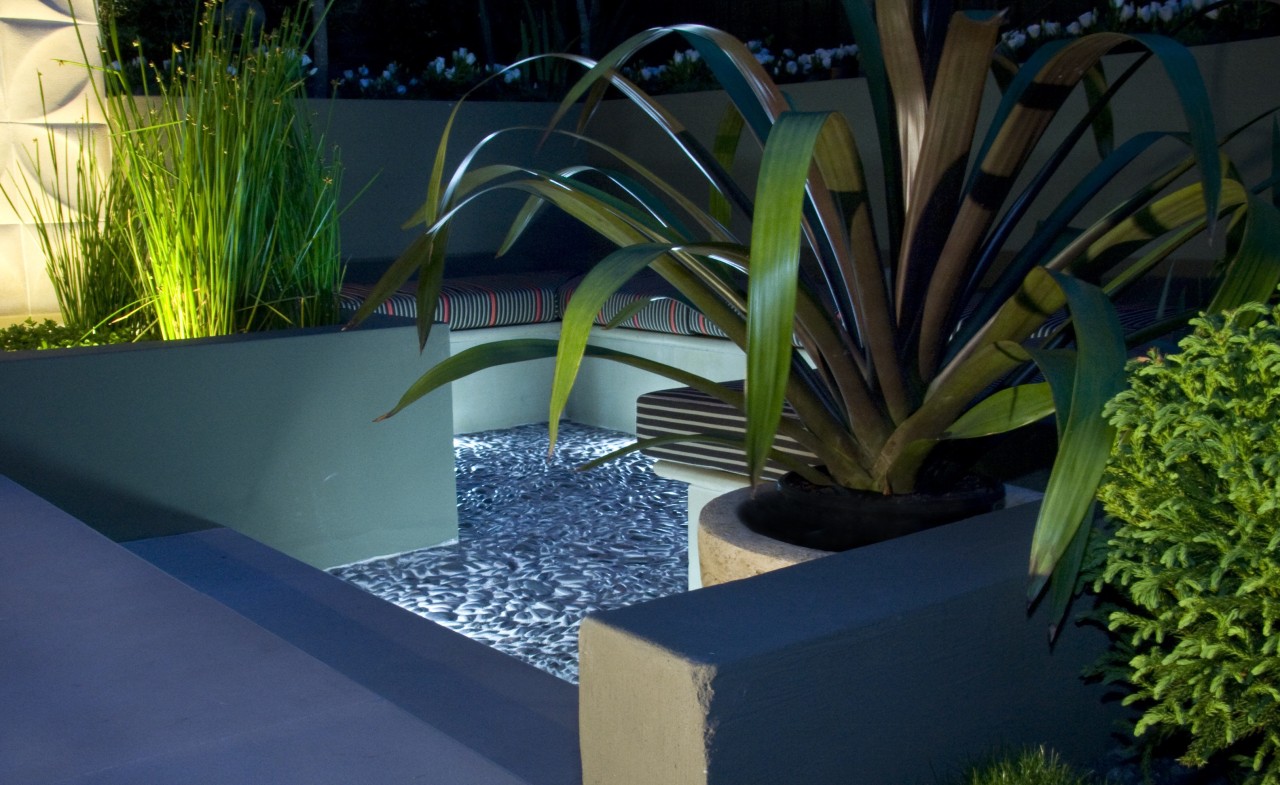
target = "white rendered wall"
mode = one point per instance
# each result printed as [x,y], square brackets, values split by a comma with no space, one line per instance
[34,36]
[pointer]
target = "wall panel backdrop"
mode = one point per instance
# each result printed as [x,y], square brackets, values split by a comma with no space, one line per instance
[34,36]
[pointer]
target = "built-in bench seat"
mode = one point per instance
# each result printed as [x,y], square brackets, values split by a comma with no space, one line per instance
[655,324]
[477,302]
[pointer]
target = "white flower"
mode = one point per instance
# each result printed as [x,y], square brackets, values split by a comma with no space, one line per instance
[1074,28]
[231,69]
[1166,13]
[306,60]
[511,75]
[826,62]
[1033,31]
[1144,13]
[364,83]
[437,65]
[792,68]
[347,74]
[362,71]
[677,58]
[1053,28]
[1212,14]
[1017,39]
[788,53]
[1086,19]
[693,55]
[647,73]
[400,89]
[1126,12]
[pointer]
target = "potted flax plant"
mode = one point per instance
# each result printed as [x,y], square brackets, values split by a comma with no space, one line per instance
[892,316]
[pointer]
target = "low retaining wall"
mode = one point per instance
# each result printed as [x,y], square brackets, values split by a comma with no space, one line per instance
[895,663]
[269,434]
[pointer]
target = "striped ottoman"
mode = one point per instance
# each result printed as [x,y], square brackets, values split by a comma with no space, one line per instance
[685,411]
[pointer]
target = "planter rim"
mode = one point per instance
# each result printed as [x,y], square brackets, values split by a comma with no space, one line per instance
[721,532]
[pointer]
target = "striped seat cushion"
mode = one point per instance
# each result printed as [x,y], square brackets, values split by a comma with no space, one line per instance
[663,313]
[685,411]
[471,303]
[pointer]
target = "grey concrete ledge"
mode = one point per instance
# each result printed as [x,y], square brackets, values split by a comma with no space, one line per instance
[251,668]
[887,664]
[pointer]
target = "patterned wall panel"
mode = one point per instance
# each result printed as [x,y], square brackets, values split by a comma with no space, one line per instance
[36,37]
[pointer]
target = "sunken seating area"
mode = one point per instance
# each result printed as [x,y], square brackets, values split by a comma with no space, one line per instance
[653,323]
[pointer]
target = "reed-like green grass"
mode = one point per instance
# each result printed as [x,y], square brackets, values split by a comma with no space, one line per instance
[1025,767]
[235,202]
[81,214]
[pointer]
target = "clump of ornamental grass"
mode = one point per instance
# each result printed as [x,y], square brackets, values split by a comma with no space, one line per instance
[208,208]
[81,212]
[235,202]
[1037,766]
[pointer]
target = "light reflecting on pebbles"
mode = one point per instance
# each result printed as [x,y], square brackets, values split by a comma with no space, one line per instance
[540,544]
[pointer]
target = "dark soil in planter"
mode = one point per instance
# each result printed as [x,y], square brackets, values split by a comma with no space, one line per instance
[832,518]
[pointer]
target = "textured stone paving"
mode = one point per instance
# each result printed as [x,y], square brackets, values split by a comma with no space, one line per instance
[541,544]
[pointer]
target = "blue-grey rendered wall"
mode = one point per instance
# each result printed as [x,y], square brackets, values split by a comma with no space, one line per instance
[270,434]
[895,663]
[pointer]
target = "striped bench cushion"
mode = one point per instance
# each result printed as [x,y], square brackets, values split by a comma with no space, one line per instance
[685,411]
[471,303]
[664,313]
[500,300]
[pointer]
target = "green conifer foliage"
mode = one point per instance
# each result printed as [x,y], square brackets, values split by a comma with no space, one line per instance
[1193,483]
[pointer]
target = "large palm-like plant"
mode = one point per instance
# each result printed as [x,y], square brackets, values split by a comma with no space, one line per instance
[887,344]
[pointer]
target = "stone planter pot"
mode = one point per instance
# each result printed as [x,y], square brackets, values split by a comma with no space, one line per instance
[729,551]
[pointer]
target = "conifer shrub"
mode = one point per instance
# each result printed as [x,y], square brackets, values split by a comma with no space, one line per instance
[1195,560]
